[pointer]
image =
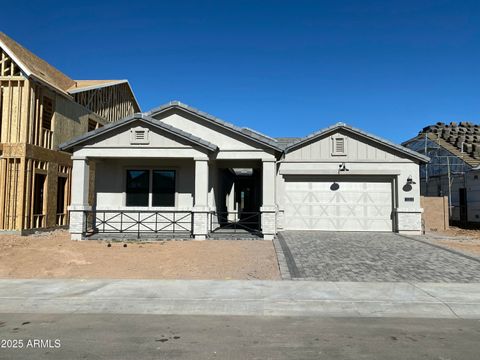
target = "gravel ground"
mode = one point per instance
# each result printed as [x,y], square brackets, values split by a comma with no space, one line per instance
[463,240]
[54,255]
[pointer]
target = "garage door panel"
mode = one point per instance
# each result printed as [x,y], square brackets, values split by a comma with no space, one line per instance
[362,205]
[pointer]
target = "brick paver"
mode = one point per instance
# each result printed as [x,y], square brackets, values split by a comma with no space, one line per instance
[336,256]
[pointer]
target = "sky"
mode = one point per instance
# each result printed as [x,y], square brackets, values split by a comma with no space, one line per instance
[285,68]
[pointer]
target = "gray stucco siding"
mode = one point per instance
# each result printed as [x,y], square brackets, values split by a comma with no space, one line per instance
[111,176]
[367,162]
[200,150]
[357,149]
[223,138]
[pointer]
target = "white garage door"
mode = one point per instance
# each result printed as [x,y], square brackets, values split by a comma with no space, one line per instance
[338,205]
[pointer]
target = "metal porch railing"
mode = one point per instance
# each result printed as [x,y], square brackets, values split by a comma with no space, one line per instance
[138,222]
[229,222]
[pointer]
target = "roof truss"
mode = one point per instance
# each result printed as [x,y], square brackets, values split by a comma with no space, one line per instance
[8,67]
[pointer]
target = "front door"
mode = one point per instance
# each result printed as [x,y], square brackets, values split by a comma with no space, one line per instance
[248,196]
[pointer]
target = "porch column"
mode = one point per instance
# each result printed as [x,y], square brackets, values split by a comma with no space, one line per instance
[201,209]
[80,188]
[232,212]
[268,208]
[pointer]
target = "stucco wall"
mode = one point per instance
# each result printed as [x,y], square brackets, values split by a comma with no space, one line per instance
[357,149]
[224,139]
[111,174]
[399,170]
[435,212]
[363,158]
[122,138]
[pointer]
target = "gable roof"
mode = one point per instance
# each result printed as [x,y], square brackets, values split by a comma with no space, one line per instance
[85,85]
[361,133]
[34,66]
[461,140]
[242,131]
[148,120]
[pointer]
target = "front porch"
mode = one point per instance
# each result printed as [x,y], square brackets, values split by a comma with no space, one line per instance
[144,177]
[130,198]
[166,225]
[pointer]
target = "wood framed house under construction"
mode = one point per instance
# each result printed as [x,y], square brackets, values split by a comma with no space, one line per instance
[40,108]
[454,169]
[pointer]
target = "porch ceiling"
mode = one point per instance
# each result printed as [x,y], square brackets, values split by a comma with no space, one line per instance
[239,164]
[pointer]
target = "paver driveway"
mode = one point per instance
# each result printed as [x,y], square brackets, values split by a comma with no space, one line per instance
[336,256]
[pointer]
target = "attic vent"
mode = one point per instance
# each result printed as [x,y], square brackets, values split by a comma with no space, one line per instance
[139,136]
[339,145]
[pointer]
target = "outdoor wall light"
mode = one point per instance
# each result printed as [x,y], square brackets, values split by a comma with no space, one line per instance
[335,186]
[342,167]
[408,186]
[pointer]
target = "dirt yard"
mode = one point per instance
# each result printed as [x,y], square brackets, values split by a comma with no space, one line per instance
[54,255]
[464,240]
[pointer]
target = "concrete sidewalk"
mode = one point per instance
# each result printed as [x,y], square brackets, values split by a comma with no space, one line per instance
[277,298]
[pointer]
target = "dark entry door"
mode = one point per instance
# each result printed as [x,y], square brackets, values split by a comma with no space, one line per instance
[248,199]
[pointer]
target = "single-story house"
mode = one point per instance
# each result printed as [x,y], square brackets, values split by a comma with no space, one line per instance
[176,169]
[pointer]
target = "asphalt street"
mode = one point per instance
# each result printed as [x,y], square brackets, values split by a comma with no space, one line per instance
[111,336]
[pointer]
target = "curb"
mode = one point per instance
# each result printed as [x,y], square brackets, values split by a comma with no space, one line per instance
[242,298]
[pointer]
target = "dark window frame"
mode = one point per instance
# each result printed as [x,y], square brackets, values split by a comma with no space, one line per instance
[152,197]
[62,189]
[170,193]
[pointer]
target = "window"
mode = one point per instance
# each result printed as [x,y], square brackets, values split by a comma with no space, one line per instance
[61,200]
[39,201]
[47,113]
[159,183]
[39,194]
[137,187]
[163,188]
[61,191]
[339,145]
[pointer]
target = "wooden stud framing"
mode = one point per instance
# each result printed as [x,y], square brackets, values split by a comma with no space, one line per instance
[112,103]
[26,148]
[8,66]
